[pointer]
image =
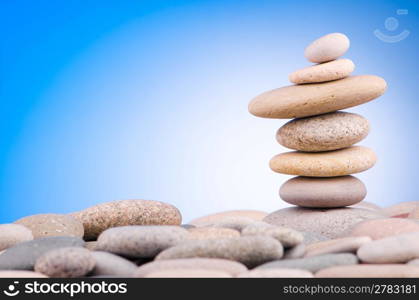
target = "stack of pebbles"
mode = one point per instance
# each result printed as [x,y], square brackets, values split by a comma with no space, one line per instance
[322,136]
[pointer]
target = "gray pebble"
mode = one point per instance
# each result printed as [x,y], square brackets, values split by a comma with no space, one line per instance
[287,236]
[112,265]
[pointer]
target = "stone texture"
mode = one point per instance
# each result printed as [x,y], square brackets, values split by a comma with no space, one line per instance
[329,71]
[286,236]
[311,237]
[297,101]
[111,264]
[381,228]
[370,271]
[249,250]
[215,264]
[206,233]
[393,249]
[44,225]
[12,234]
[314,263]
[323,192]
[295,252]
[190,273]
[100,217]
[342,162]
[327,48]
[140,241]
[67,262]
[24,255]
[20,274]
[325,132]
[276,273]
[342,245]
[331,223]
[210,219]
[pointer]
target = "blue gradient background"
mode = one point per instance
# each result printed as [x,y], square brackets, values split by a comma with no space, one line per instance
[106,100]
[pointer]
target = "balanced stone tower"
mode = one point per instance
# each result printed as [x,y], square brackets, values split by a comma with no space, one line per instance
[322,136]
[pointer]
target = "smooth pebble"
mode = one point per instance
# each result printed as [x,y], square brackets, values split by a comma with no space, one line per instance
[370,271]
[12,234]
[286,236]
[381,228]
[276,273]
[327,47]
[110,264]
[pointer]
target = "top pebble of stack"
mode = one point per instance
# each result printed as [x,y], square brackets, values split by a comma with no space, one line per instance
[327,48]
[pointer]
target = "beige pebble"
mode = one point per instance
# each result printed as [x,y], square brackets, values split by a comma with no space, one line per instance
[381,228]
[323,192]
[401,209]
[366,205]
[276,273]
[236,223]
[394,249]
[215,264]
[286,236]
[205,233]
[328,71]
[342,162]
[327,48]
[325,132]
[370,271]
[209,219]
[90,245]
[190,273]
[297,101]
[20,274]
[341,245]
[12,234]
[106,215]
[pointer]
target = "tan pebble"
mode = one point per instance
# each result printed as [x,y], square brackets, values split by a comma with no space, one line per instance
[286,236]
[251,214]
[205,233]
[236,223]
[342,245]
[366,205]
[297,101]
[12,234]
[90,245]
[276,273]
[325,132]
[100,217]
[215,264]
[295,252]
[401,210]
[20,274]
[381,228]
[324,164]
[327,48]
[191,273]
[370,271]
[328,71]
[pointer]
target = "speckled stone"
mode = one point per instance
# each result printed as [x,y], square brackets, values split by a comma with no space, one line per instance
[140,241]
[381,228]
[331,131]
[297,101]
[342,245]
[332,70]
[331,223]
[323,192]
[400,210]
[228,266]
[206,233]
[311,237]
[236,223]
[44,225]
[110,264]
[326,48]
[20,274]
[370,271]
[100,217]
[12,234]
[393,249]
[286,236]
[276,273]
[249,250]
[295,252]
[23,256]
[342,162]
[69,262]
[314,263]
[210,219]
[190,273]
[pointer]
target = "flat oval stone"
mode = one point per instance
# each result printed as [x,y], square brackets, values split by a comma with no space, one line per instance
[110,264]
[370,271]
[210,219]
[216,264]
[100,217]
[24,255]
[400,210]
[327,48]
[342,162]
[12,234]
[323,192]
[276,273]
[286,236]
[393,249]
[331,223]
[67,262]
[381,228]
[249,250]
[314,263]
[21,274]
[190,273]
[342,245]
[328,71]
[206,233]
[140,241]
[44,225]
[325,132]
[297,101]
